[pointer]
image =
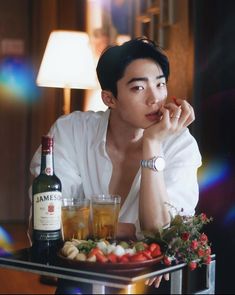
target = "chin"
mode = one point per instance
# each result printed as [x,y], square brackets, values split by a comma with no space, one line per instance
[149,124]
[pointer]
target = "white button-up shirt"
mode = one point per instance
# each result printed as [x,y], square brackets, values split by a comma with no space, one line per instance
[84,167]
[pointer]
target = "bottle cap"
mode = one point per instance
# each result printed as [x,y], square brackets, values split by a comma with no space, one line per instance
[47,142]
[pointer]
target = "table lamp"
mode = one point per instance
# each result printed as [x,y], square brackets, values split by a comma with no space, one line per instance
[67,63]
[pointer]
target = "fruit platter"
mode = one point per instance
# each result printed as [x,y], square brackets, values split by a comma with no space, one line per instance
[114,257]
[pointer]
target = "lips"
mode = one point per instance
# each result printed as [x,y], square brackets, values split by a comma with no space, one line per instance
[154,116]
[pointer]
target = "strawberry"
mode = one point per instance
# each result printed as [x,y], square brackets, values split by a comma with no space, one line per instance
[94,251]
[138,257]
[147,254]
[101,258]
[153,246]
[112,257]
[157,252]
[124,258]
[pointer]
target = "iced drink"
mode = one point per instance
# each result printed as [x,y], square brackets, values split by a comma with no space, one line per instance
[75,219]
[105,211]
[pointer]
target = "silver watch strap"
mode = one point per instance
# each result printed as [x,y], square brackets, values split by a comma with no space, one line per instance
[149,163]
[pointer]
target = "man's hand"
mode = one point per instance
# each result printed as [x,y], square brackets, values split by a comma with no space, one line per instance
[156,280]
[176,115]
[126,231]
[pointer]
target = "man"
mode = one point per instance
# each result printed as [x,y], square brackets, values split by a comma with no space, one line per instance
[140,148]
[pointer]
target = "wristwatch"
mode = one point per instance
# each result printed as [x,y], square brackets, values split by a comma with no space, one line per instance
[156,163]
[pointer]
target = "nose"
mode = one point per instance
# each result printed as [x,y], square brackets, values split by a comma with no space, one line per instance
[153,97]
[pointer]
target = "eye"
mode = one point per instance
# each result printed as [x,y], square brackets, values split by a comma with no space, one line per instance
[137,88]
[161,84]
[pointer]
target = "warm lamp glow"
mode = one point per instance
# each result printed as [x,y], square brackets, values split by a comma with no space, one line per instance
[67,63]
[122,39]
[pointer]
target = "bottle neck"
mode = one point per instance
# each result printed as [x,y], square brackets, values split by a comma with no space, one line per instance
[47,163]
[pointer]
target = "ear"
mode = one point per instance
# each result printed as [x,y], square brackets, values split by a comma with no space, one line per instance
[108,99]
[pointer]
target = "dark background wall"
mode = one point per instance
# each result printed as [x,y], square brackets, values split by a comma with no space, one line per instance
[14,24]
[214,98]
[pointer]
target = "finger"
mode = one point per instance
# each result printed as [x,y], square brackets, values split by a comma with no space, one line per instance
[177,101]
[175,117]
[146,282]
[187,114]
[174,99]
[190,119]
[152,280]
[175,113]
[173,109]
[165,116]
[167,276]
[158,281]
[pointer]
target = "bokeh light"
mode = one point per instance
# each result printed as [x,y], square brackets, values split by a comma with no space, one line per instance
[212,173]
[17,80]
[217,197]
[5,241]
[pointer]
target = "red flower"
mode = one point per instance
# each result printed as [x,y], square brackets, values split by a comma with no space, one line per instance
[192,265]
[167,260]
[207,260]
[201,252]
[203,238]
[208,251]
[194,244]
[184,240]
[185,236]
[203,217]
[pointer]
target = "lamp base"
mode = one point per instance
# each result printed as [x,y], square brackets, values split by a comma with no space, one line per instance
[67,101]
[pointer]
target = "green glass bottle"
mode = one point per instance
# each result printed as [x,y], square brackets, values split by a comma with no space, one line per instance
[46,206]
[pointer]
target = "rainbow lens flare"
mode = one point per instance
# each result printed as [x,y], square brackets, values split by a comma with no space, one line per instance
[216,184]
[213,173]
[17,80]
[5,241]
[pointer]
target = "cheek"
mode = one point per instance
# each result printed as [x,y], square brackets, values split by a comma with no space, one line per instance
[164,93]
[129,108]
[163,96]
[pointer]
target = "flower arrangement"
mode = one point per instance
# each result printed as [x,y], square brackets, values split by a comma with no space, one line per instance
[183,241]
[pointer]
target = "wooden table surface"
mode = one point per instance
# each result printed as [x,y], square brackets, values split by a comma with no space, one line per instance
[11,279]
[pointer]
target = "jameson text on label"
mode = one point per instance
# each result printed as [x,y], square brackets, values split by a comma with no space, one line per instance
[47,211]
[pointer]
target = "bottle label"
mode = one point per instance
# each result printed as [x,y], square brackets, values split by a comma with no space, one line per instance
[47,210]
[49,165]
[47,236]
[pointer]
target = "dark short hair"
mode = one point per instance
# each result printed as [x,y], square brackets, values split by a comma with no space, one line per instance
[114,60]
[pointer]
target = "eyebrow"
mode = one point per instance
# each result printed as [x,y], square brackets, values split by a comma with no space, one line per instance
[143,79]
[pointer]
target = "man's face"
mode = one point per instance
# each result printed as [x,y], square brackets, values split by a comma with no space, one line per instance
[141,92]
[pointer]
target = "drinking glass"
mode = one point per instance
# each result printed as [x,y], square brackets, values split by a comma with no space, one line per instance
[75,218]
[105,211]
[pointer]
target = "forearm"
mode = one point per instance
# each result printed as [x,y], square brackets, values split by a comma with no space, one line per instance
[153,195]
[153,212]
[126,231]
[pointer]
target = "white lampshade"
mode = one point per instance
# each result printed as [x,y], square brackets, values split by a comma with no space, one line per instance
[67,62]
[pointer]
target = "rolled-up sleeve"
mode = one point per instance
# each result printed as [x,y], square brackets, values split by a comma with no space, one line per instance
[183,160]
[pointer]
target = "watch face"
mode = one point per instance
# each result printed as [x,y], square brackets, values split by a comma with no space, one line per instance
[159,164]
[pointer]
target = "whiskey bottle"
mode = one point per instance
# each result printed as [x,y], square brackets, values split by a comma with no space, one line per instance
[46,206]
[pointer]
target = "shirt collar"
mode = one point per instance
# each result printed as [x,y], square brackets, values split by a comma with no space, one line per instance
[100,137]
